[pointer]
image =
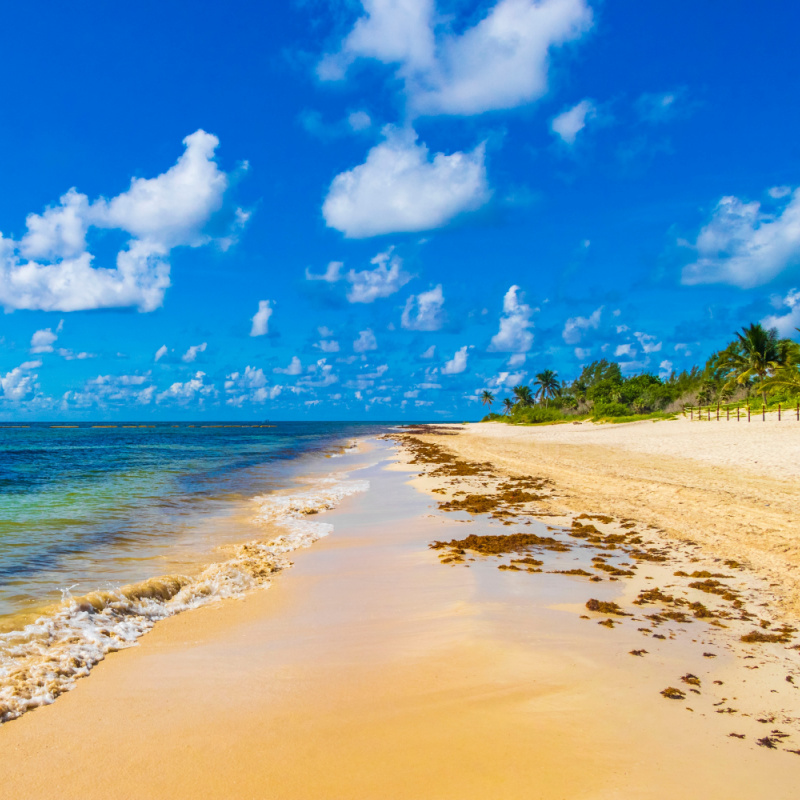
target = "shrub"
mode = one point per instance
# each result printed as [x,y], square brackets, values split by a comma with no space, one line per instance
[536,414]
[609,410]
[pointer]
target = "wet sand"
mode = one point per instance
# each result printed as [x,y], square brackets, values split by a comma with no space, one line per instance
[372,670]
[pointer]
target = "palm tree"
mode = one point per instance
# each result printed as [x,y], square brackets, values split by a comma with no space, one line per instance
[508,406]
[548,385]
[524,395]
[487,398]
[756,353]
[787,377]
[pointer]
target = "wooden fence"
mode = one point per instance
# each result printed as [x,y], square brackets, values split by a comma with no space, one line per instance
[740,413]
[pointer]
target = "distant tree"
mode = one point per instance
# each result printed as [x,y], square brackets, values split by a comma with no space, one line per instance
[756,353]
[547,385]
[508,406]
[487,398]
[524,395]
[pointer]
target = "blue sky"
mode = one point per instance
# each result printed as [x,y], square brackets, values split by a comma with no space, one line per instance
[377,209]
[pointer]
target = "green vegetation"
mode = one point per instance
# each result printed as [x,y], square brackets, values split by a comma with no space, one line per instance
[757,368]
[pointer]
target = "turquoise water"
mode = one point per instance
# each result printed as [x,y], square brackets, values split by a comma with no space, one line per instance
[81,507]
[104,530]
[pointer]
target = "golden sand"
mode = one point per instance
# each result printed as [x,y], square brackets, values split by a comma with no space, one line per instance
[371,670]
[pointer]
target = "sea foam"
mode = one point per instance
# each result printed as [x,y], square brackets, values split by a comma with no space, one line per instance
[45,658]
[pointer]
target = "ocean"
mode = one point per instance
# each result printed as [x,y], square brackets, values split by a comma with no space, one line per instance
[105,529]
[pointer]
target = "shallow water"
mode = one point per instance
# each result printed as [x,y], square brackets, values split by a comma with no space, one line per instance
[105,530]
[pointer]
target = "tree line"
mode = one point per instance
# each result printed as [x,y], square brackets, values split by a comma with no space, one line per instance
[757,362]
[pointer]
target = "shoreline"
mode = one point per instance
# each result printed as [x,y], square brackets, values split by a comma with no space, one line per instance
[375,670]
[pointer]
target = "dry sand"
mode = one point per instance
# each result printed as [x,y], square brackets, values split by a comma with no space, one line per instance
[370,670]
[733,487]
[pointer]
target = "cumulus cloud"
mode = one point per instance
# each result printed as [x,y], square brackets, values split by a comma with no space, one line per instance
[50,268]
[513,336]
[499,62]
[112,390]
[786,323]
[423,312]
[328,345]
[664,369]
[249,386]
[745,246]
[42,341]
[648,342]
[430,352]
[186,391]
[517,360]
[20,381]
[568,124]
[399,188]
[458,363]
[331,274]
[387,278]
[575,326]
[366,341]
[506,380]
[160,353]
[294,368]
[191,354]
[624,350]
[260,319]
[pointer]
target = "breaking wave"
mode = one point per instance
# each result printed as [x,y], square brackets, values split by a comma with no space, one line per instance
[45,658]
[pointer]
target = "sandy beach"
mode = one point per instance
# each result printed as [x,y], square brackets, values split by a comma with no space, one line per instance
[378,667]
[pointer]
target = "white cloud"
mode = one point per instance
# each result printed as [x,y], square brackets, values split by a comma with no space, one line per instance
[499,62]
[624,350]
[387,278]
[116,390]
[260,319]
[359,120]
[505,380]
[582,353]
[647,342]
[458,363]
[42,341]
[423,312]
[664,369]
[191,354]
[575,326]
[777,192]
[430,352]
[159,214]
[331,274]
[399,188]
[294,368]
[69,355]
[571,122]
[249,386]
[161,352]
[185,392]
[513,336]
[328,346]
[517,360]
[744,246]
[786,323]
[20,381]
[366,341]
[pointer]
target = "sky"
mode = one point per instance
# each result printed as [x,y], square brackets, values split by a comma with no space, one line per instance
[377,209]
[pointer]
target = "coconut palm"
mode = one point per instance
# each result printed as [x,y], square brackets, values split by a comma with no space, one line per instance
[508,406]
[524,395]
[787,377]
[547,385]
[756,354]
[487,398]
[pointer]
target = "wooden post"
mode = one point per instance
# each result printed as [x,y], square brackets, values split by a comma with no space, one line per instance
[779,412]
[737,412]
[691,413]
[717,412]
[727,412]
[748,412]
[764,413]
